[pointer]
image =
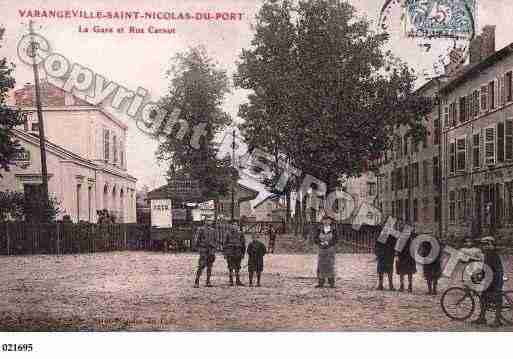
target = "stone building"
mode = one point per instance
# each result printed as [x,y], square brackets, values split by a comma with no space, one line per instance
[467,160]
[86,156]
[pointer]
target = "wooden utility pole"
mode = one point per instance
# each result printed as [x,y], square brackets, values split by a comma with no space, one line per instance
[42,144]
[233,175]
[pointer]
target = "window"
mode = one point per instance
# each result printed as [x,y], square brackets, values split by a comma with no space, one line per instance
[437,208]
[121,154]
[475,111]
[468,109]
[405,141]
[500,142]
[79,186]
[425,172]
[489,143]
[393,209]
[406,210]
[399,205]
[446,116]
[452,206]
[463,109]
[484,98]
[491,94]
[106,148]
[461,152]
[34,127]
[372,188]
[436,138]
[451,114]
[415,174]
[462,200]
[425,209]
[115,149]
[406,177]
[452,156]
[508,139]
[475,150]
[399,149]
[507,86]
[415,210]
[436,169]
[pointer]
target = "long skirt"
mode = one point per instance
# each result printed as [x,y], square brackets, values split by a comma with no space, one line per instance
[326,262]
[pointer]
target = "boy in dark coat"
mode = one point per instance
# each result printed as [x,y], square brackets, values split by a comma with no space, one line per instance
[385,261]
[406,266]
[256,251]
[272,239]
[432,271]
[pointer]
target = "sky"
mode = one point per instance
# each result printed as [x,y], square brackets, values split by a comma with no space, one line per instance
[141,60]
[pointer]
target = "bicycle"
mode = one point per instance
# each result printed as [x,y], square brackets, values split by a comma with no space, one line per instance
[459,303]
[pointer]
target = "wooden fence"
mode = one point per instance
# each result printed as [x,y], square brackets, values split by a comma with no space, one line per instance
[65,238]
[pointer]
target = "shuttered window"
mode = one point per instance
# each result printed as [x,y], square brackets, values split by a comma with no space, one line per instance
[452,206]
[491,94]
[489,144]
[446,116]
[463,109]
[476,103]
[452,154]
[502,90]
[475,150]
[106,147]
[500,142]
[484,98]
[508,139]
[461,154]
[508,86]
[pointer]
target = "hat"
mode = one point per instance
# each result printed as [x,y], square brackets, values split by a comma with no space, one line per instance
[487,240]
[327,217]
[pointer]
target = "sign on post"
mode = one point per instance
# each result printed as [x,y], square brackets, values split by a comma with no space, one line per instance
[161,213]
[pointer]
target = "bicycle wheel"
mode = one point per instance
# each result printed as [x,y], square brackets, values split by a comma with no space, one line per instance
[506,299]
[458,303]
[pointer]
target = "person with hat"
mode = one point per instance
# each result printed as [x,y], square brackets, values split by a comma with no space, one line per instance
[256,251]
[325,237]
[492,294]
[405,265]
[206,242]
[432,271]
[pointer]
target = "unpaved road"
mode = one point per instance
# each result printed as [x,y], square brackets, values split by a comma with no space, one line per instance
[153,291]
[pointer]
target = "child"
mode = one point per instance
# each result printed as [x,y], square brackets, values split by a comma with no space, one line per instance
[256,251]
[406,266]
[432,271]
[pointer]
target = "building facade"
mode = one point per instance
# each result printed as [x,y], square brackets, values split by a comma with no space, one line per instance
[466,162]
[86,156]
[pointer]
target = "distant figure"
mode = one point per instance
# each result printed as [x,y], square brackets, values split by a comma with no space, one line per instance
[256,252]
[272,239]
[432,271]
[326,238]
[206,242]
[385,261]
[234,249]
[405,265]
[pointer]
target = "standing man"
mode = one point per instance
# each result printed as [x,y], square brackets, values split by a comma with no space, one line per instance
[234,249]
[206,242]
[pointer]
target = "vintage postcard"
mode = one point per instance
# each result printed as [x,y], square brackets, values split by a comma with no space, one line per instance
[255,166]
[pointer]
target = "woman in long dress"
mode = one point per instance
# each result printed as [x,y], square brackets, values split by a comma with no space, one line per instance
[326,239]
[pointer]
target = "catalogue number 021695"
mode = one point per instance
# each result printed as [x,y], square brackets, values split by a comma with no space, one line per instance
[17,347]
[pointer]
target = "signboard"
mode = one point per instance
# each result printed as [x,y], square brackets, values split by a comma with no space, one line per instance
[161,213]
[22,159]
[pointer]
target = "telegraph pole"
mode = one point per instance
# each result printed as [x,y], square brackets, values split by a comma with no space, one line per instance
[233,177]
[42,144]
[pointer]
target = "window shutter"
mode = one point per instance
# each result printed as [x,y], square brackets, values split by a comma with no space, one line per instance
[496,97]
[490,146]
[469,152]
[508,140]
[503,89]
[481,148]
[500,142]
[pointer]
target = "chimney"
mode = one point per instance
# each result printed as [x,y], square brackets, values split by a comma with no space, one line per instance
[488,41]
[475,50]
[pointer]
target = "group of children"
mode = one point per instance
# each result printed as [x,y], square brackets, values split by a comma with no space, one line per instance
[405,265]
